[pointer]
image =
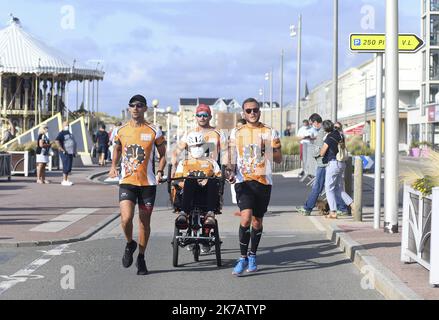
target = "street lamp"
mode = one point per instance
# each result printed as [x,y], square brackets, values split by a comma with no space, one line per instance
[293,33]
[155,104]
[269,77]
[262,95]
[168,130]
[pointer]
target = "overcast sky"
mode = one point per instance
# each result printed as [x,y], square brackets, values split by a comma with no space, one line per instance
[168,49]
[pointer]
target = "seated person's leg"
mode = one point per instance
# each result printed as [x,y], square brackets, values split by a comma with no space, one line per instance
[190,187]
[212,195]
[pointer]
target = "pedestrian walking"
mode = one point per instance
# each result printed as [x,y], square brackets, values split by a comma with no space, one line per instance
[287,131]
[319,183]
[9,133]
[102,142]
[42,153]
[112,136]
[305,136]
[67,150]
[335,169]
[136,142]
[253,148]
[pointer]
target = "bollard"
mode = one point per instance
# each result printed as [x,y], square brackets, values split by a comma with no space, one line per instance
[348,177]
[358,190]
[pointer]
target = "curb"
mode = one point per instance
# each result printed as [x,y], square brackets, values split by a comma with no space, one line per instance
[93,176]
[386,282]
[84,236]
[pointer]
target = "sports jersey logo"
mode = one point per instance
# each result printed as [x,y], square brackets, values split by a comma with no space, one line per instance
[134,157]
[252,158]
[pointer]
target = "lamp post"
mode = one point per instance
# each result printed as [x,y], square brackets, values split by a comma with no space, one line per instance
[335,65]
[168,130]
[293,33]
[178,126]
[391,161]
[269,77]
[262,95]
[155,104]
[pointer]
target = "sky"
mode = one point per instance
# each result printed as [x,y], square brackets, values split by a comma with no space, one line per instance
[171,49]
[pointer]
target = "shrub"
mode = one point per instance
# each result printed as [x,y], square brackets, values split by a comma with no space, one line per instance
[415,144]
[290,145]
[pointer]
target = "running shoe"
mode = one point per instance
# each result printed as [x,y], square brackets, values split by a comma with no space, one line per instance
[240,266]
[127,259]
[141,265]
[342,213]
[303,211]
[252,266]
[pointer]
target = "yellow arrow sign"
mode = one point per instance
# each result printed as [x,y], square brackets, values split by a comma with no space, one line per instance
[367,42]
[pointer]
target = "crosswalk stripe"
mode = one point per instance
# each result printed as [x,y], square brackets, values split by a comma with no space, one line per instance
[63,221]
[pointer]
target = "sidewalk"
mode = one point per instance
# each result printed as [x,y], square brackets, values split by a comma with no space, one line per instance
[382,253]
[33,214]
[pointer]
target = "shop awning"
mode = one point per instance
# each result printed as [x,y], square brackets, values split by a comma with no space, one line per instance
[355,129]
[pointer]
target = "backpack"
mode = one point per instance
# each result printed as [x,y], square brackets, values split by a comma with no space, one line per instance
[69,144]
[342,154]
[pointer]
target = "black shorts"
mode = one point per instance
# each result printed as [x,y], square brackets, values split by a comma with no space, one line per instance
[253,195]
[144,196]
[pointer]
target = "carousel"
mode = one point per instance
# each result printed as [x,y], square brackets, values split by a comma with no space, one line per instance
[35,81]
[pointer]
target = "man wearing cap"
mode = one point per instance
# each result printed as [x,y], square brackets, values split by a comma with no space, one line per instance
[136,142]
[215,140]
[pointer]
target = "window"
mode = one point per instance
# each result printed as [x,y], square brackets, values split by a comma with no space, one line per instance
[415,132]
[434,89]
[423,65]
[434,30]
[434,5]
[434,65]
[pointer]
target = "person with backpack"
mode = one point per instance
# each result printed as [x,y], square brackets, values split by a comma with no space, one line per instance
[334,154]
[67,150]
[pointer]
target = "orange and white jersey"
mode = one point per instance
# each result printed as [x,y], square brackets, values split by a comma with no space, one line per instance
[138,148]
[249,147]
[215,142]
[203,167]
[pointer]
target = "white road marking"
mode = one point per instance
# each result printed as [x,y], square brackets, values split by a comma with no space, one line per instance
[63,221]
[317,223]
[26,273]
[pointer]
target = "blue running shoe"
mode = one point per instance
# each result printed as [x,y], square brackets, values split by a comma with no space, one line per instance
[252,266]
[240,266]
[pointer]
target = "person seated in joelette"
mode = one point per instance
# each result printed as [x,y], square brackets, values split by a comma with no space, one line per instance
[194,190]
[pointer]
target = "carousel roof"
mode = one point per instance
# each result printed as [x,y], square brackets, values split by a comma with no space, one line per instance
[21,53]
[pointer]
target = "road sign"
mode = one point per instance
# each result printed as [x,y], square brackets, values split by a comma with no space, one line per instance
[376,42]
[368,162]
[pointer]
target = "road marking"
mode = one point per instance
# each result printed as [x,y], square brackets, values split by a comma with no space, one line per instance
[26,273]
[63,221]
[317,223]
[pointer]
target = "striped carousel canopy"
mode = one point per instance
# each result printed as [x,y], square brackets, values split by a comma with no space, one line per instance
[22,53]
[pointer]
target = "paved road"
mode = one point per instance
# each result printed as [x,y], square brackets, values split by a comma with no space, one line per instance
[296,262]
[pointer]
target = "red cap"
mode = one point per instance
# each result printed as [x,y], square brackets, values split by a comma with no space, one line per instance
[203,108]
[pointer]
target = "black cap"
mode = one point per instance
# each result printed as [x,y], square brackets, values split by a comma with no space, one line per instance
[138,98]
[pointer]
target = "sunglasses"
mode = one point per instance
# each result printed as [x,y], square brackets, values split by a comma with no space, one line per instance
[137,105]
[249,111]
[202,115]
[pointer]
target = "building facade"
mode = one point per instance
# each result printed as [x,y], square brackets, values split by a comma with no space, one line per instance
[423,119]
[357,97]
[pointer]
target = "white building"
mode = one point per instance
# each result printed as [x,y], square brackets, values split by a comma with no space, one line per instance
[357,96]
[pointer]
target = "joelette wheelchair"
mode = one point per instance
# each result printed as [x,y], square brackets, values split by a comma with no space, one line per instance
[197,233]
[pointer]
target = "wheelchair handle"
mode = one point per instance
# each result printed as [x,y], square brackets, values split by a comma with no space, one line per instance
[191,178]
